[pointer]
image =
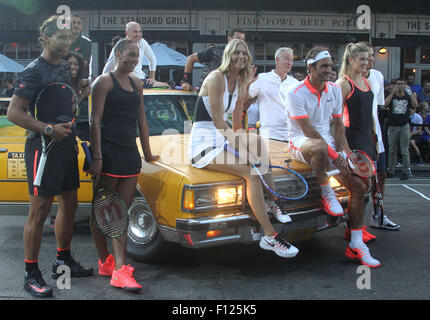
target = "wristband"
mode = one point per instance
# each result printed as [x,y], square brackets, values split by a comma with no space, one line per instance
[331,153]
[187,77]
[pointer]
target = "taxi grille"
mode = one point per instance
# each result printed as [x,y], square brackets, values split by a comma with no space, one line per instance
[311,199]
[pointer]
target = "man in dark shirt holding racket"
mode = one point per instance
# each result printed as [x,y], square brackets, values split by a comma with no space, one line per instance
[61,174]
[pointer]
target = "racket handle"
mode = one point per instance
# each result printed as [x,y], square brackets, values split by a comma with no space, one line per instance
[331,173]
[87,152]
[39,174]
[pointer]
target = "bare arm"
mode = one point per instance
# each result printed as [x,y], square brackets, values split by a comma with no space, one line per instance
[143,126]
[17,113]
[189,66]
[99,92]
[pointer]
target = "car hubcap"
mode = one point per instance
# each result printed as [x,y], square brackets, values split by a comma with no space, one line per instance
[142,228]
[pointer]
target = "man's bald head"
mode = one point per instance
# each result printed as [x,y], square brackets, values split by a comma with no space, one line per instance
[133,31]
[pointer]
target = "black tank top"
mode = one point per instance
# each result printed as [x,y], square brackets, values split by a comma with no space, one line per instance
[358,119]
[119,122]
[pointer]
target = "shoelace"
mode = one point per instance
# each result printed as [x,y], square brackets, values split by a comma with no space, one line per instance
[278,208]
[281,243]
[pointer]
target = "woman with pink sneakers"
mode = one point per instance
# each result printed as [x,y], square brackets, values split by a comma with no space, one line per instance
[117,107]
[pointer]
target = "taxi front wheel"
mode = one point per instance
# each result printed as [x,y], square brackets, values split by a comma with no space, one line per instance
[145,242]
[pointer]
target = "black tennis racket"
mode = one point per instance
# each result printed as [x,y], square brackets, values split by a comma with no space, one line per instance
[109,211]
[290,186]
[56,103]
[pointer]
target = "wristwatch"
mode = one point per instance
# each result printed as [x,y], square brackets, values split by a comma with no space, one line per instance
[49,129]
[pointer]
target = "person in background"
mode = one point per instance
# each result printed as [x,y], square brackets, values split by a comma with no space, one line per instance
[81,44]
[416,134]
[415,87]
[9,81]
[399,103]
[133,32]
[424,96]
[210,57]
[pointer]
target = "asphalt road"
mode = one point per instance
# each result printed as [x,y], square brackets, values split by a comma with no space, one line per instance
[240,272]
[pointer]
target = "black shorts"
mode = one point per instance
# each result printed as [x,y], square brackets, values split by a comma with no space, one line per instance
[120,162]
[61,169]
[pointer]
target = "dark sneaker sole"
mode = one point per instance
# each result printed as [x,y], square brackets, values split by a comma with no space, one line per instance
[45,294]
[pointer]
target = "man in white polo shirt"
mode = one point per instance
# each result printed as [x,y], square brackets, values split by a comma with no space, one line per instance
[311,104]
[133,32]
[268,90]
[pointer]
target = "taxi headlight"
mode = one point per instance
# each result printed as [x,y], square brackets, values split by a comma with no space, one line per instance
[209,197]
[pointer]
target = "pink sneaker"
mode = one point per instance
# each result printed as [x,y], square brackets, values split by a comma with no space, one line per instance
[124,279]
[107,268]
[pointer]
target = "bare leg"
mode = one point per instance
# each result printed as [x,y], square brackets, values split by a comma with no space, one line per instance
[254,191]
[39,210]
[64,222]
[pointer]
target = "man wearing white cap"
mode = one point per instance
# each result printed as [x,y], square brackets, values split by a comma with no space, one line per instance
[312,103]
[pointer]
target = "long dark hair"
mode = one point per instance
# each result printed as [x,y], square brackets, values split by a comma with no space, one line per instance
[81,71]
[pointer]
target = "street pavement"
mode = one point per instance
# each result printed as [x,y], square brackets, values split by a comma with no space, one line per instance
[246,272]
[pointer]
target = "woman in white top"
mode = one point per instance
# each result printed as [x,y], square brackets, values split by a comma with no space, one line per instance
[222,93]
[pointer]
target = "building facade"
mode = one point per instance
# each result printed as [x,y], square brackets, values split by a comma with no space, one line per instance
[406,37]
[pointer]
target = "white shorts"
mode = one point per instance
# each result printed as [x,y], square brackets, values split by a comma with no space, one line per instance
[296,144]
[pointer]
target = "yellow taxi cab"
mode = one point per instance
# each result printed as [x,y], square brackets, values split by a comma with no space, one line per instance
[174,202]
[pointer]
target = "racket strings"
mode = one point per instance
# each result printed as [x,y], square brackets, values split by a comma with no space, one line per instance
[287,184]
[110,213]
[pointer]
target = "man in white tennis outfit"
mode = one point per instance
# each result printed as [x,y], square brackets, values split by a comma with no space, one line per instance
[311,104]
[268,91]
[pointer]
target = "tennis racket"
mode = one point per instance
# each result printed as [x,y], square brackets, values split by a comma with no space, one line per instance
[378,203]
[291,186]
[56,103]
[109,211]
[359,163]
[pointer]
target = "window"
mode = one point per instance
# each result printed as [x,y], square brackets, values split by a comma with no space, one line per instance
[425,55]
[165,112]
[410,55]
[259,51]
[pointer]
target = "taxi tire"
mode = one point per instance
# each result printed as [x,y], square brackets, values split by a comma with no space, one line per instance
[152,250]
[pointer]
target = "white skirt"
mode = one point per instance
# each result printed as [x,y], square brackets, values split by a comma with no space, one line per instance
[205,137]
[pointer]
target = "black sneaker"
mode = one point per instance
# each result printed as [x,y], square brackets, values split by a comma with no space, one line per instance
[76,270]
[36,285]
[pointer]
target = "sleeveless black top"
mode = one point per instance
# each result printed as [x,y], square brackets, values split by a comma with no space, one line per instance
[119,122]
[358,119]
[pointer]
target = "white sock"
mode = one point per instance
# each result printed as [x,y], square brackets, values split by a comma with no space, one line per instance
[326,188]
[356,238]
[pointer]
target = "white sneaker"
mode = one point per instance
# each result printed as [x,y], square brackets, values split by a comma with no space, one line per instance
[276,209]
[331,205]
[386,224]
[362,254]
[278,244]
